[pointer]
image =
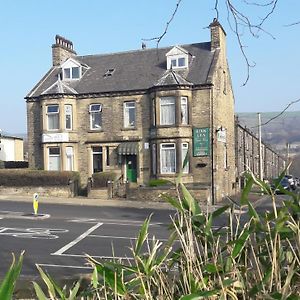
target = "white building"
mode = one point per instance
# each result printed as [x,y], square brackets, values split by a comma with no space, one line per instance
[11,148]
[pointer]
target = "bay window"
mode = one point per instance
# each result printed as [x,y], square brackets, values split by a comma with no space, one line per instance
[54,159]
[184,110]
[167,158]
[167,111]
[68,117]
[53,117]
[185,156]
[70,159]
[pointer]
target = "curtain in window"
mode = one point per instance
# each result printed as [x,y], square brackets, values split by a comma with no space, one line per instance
[167,111]
[168,159]
[184,111]
[53,121]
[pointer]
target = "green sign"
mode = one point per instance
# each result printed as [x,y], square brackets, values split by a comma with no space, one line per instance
[201,142]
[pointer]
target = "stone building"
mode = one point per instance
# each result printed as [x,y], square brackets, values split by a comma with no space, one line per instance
[138,114]
[247,156]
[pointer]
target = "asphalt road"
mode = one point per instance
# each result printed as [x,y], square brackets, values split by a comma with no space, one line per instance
[60,237]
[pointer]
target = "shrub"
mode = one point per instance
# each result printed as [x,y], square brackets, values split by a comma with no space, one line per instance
[15,164]
[100,179]
[15,178]
[158,182]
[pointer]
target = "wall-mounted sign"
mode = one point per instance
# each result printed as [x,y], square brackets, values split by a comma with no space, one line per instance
[201,141]
[55,137]
[221,135]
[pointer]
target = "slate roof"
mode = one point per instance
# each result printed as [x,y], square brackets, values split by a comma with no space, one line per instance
[134,70]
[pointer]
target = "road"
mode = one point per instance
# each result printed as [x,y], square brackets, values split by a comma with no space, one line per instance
[60,237]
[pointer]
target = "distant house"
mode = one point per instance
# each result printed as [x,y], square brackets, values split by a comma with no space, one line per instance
[11,148]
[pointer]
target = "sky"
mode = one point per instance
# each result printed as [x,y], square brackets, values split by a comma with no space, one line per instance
[28,28]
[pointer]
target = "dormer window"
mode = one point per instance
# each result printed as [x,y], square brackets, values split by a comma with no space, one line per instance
[71,73]
[179,62]
[177,58]
[71,70]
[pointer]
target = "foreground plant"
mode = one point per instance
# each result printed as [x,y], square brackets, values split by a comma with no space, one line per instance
[55,292]
[258,258]
[8,284]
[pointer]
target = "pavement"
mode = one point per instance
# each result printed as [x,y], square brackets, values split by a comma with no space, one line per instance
[118,202]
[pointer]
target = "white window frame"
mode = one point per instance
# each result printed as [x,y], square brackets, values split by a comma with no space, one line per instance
[71,73]
[184,152]
[54,156]
[165,169]
[69,112]
[127,106]
[176,62]
[52,115]
[167,102]
[92,112]
[184,109]
[69,158]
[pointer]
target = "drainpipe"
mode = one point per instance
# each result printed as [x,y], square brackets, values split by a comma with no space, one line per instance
[212,134]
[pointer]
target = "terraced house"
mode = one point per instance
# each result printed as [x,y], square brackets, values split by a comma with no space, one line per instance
[138,113]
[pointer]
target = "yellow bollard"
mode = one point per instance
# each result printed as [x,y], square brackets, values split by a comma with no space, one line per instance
[35,203]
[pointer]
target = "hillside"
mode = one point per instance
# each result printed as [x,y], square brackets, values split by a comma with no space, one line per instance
[278,132]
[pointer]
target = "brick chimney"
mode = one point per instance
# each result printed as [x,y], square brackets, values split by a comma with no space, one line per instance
[218,36]
[61,50]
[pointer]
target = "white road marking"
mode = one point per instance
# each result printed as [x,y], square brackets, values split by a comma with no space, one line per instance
[113,222]
[122,237]
[33,233]
[65,266]
[96,256]
[77,240]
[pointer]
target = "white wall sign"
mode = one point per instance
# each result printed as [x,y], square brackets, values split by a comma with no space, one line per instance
[55,137]
[221,136]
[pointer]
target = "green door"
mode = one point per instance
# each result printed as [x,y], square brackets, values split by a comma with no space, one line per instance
[131,170]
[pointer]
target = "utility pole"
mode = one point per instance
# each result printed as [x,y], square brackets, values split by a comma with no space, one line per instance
[288,157]
[260,164]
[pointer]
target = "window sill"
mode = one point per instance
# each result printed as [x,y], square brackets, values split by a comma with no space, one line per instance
[95,130]
[173,126]
[128,128]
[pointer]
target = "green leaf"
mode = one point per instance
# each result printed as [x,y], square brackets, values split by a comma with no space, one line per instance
[95,280]
[9,281]
[74,291]
[38,291]
[143,234]
[219,211]
[173,201]
[247,189]
[47,281]
[211,268]
[240,243]
[189,200]
[112,278]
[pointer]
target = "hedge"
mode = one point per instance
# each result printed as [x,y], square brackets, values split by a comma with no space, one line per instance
[15,164]
[100,179]
[21,177]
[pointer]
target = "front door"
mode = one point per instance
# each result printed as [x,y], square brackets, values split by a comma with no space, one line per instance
[131,168]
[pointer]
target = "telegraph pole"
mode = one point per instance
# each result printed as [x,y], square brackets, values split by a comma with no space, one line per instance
[288,157]
[260,164]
